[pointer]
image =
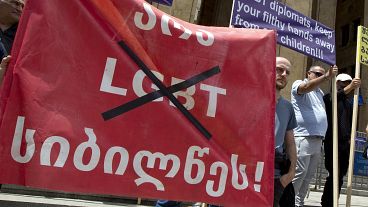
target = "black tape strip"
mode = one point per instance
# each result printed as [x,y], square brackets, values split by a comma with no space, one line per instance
[164,90]
[157,94]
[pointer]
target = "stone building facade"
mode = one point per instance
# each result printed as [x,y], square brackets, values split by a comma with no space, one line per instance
[342,15]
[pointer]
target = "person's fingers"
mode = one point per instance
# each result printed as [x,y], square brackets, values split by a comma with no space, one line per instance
[5,60]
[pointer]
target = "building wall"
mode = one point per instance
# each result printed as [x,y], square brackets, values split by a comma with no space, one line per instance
[324,12]
[299,61]
[186,10]
[345,18]
[215,13]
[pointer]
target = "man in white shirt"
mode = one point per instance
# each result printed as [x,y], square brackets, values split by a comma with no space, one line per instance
[309,108]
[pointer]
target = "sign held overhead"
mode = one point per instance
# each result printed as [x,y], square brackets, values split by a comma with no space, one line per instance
[294,30]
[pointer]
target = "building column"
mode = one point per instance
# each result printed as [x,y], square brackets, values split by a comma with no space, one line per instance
[298,60]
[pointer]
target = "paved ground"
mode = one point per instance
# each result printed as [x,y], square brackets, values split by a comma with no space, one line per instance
[19,200]
[314,199]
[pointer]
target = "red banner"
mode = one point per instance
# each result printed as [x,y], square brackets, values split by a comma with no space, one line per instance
[116,97]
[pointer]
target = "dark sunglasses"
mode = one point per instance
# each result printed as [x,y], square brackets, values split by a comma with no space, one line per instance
[346,82]
[318,74]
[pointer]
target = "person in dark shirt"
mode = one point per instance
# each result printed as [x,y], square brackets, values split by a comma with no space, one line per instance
[345,88]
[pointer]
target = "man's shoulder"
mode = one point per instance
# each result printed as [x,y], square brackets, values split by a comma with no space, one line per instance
[285,103]
[298,82]
[295,86]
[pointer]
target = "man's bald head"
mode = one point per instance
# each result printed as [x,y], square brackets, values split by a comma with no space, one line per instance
[283,68]
[284,60]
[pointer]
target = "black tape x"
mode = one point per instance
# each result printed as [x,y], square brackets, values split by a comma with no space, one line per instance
[163,91]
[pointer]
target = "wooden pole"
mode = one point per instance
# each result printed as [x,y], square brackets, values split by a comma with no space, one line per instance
[139,201]
[335,142]
[231,16]
[354,123]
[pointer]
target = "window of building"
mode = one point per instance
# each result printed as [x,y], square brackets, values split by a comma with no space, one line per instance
[343,70]
[352,71]
[345,35]
[349,70]
[356,23]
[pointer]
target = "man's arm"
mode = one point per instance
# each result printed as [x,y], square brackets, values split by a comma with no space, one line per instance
[342,93]
[313,84]
[355,83]
[366,129]
[291,152]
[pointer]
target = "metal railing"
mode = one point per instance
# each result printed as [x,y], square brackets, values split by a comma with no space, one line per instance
[359,183]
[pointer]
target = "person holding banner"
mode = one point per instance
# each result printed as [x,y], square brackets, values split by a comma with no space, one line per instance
[285,122]
[345,88]
[307,100]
